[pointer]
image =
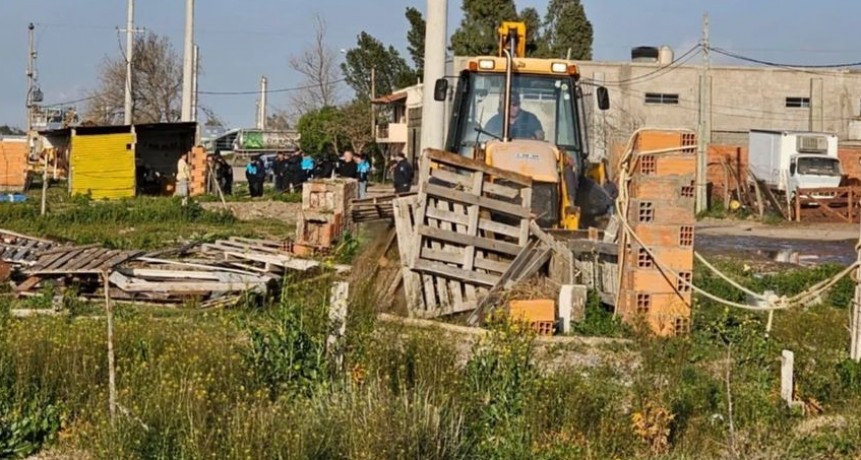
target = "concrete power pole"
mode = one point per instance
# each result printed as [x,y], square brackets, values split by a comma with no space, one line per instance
[195,57]
[187,61]
[433,112]
[130,46]
[704,127]
[261,104]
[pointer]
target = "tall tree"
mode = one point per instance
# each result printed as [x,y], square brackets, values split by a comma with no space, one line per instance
[416,38]
[535,45]
[477,34]
[157,77]
[317,66]
[390,69]
[567,27]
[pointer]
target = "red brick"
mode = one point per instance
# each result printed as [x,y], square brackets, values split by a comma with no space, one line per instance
[660,140]
[661,212]
[533,311]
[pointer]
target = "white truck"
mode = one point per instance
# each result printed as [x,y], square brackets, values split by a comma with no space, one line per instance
[790,160]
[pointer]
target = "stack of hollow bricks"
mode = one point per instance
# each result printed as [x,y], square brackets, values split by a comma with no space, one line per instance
[325,212]
[661,212]
[197,165]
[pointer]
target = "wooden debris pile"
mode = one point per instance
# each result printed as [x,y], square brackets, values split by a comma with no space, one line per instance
[214,274]
[375,208]
[468,235]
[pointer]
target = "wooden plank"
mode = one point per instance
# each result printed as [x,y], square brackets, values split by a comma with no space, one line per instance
[443,295]
[83,259]
[283,261]
[59,262]
[454,258]
[537,259]
[28,284]
[448,271]
[99,261]
[406,243]
[459,239]
[466,181]
[197,287]
[455,287]
[483,223]
[47,261]
[486,203]
[461,161]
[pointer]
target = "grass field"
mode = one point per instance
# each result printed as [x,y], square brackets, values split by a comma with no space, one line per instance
[260,381]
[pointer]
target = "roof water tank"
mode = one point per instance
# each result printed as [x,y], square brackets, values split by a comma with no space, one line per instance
[645,54]
[665,56]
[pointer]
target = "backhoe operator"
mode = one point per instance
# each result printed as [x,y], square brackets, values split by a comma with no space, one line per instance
[522,124]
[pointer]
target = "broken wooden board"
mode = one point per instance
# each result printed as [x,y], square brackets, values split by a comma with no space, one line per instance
[19,249]
[263,256]
[79,260]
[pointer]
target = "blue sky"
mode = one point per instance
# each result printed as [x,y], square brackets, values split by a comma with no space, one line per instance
[243,39]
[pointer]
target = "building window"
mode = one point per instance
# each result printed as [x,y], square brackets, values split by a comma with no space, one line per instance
[798,102]
[662,98]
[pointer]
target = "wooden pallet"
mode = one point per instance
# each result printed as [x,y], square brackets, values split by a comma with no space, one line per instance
[79,260]
[22,249]
[471,221]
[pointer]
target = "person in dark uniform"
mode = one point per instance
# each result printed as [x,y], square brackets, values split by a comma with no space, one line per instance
[348,168]
[402,174]
[224,175]
[255,173]
[522,124]
[324,168]
[279,170]
[295,176]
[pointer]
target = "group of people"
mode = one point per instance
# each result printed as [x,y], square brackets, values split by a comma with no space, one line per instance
[291,170]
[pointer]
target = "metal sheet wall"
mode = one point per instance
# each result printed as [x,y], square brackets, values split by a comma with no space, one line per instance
[103,165]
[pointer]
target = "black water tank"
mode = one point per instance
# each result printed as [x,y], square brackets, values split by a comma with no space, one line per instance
[645,54]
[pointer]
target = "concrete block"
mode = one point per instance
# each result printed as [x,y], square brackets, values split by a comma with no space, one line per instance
[787,363]
[572,305]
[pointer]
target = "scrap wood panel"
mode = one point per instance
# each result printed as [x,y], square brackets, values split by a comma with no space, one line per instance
[470,223]
[21,249]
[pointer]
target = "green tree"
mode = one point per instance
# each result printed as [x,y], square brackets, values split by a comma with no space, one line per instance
[6,130]
[477,34]
[391,70]
[320,132]
[535,45]
[567,27]
[416,38]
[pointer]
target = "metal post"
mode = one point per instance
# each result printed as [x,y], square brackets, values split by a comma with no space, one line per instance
[855,326]
[436,36]
[704,128]
[130,30]
[187,64]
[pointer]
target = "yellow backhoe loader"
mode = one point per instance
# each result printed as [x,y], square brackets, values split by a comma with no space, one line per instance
[545,136]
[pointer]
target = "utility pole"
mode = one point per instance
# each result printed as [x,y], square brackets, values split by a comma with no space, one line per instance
[130,30]
[194,95]
[187,61]
[704,127]
[436,35]
[373,96]
[261,104]
[31,75]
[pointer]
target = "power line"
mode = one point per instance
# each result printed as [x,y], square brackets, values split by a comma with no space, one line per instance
[785,66]
[268,91]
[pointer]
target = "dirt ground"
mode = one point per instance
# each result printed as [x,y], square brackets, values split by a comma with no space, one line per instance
[255,210]
[789,231]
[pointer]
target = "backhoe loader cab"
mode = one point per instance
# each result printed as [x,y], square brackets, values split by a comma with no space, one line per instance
[545,136]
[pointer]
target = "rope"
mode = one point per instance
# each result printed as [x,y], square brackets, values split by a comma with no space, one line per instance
[773,302]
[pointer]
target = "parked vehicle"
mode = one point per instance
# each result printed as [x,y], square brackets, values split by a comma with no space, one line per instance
[790,160]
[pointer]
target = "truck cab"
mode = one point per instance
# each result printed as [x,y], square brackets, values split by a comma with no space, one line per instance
[808,171]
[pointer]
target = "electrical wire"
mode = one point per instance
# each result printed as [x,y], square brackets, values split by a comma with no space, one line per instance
[785,66]
[268,91]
